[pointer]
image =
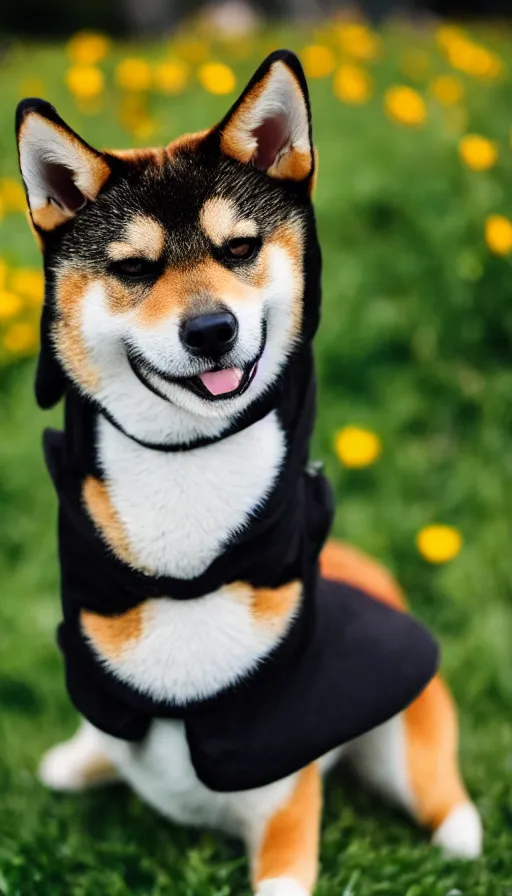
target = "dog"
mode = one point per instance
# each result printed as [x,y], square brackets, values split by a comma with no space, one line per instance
[217,673]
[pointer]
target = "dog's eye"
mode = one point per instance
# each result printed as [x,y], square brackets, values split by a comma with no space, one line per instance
[241,248]
[134,268]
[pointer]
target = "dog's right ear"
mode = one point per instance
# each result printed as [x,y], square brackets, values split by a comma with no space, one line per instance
[61,172]
[269,126]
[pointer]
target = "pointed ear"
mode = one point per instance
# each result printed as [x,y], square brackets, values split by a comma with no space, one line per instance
[60,171]
[270,124]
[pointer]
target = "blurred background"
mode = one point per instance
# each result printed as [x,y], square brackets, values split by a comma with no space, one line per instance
[412,108]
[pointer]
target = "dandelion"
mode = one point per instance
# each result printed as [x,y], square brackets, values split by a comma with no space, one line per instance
[358,41]
[447,89]
[446,35]
[477,152]
[216,77]
[405,105]
[439,543]
[498,234]
[356,447]
[352,84]
[87,47]
[85,82]
[10,305]
[318,61]
[468,56]
[21,338]
[171,77]
[133,74]
[28,282]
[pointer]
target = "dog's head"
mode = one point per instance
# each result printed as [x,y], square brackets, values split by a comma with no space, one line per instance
[176,276]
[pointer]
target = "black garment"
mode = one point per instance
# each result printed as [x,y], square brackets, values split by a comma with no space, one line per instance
[347,664]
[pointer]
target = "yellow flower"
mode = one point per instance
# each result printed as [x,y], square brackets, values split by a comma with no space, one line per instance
[171,77]
[29,282]
[21,338]
[356,447]
[477,152]
[498,234]
[405,105]
[3,272]
[446,35]
[352,84]
[318,61]
[85,81]
[134,74]
[13,195]
[358,40]
[438,543]
[87,47]
[10,304]
[216,77]
[468,56]
[447,89]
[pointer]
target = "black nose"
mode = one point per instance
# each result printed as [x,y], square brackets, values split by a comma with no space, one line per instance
[209,334]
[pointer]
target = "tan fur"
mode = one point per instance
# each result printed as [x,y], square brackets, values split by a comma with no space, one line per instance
[219,221]
[343,563]
[290,843]
[188,289]
[144,237]
[432,746]
[70,290]
[98,770]
[140,155]
[289,237]
[112,634]
[104,516]
[274,606]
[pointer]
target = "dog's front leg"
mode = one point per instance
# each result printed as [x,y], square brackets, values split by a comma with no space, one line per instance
[284,848]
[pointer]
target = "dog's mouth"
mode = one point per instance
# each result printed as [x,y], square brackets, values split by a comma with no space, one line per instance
[217,384]
[225,382]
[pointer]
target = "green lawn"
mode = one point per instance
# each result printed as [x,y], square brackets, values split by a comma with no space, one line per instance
[416,345]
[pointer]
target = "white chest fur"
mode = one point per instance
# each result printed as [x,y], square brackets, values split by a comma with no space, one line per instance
[179,509]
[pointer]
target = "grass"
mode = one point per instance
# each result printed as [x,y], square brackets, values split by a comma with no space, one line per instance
[415,345]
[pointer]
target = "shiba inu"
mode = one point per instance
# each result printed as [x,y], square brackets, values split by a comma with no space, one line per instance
[218,673]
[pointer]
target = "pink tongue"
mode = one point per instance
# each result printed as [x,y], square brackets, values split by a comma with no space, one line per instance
[221,381]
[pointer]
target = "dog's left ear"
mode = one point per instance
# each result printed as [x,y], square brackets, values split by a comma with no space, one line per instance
[269,126]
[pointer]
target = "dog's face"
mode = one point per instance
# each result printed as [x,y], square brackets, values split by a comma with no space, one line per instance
[177,271]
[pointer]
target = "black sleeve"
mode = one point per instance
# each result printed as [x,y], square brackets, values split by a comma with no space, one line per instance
[88,690]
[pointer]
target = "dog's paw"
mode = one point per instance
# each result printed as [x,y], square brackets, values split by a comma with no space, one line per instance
[460,835]
[280,886]
[76,764]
